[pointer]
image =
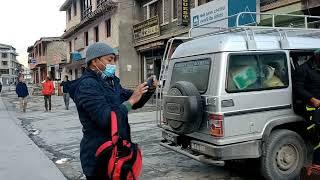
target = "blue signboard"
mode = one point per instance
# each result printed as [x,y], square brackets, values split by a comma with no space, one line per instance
[217,13]
[33,61]
[235,7]
[75,56]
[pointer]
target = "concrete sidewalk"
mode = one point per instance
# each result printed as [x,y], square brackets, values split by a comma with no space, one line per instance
[20,158]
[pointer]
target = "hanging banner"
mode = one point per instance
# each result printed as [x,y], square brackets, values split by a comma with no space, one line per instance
[185,12]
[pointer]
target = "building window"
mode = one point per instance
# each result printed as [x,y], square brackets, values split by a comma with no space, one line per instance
[39,48]
[108,28]
[4,63]
[4,71]
[86,8]
[69,14]
[4,55]
[75,44]
[145,13]
[200,2]
[174,10]
[165,12]
[100,2]
[86,38]
[160,11]
[70,46]
[153,8]
[96,34]
[76,73]
[75,8]
[43,50]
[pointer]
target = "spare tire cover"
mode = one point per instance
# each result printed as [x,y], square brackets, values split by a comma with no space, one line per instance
[190,116]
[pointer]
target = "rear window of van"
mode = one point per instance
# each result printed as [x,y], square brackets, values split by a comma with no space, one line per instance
[195,71]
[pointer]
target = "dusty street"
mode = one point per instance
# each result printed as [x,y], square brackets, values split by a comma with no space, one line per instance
[58,134]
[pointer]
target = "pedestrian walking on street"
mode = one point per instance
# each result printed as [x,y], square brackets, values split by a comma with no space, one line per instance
[0,87]
[22,92]
[47,91]
[96,94]
[65,89]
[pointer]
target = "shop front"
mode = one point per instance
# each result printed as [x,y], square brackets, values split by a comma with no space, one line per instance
[150,57]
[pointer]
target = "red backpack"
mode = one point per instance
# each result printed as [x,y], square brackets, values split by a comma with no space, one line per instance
[119,159]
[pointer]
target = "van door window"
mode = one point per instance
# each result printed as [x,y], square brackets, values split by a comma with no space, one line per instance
[196,71]
[274,71]
[298,58]
[257,72]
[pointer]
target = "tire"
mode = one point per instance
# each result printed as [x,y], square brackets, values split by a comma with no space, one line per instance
[284,155]
[191,120]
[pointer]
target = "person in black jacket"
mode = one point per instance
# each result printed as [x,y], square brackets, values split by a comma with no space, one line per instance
[307,81]
[65,89]
[96,94]
[22,92]
[307,88]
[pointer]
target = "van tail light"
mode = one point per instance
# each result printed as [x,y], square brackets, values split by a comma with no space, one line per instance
[215,122]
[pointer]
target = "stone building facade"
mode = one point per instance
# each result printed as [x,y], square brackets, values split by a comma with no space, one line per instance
[9,65]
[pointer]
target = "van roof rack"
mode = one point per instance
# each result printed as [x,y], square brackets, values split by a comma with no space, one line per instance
[303,27]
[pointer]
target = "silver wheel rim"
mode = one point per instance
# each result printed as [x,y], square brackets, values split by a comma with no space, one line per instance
[287,157]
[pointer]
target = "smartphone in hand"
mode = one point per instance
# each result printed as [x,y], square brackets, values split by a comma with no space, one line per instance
[150,82]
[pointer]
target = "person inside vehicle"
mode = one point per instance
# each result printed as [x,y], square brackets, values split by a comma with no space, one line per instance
[271,79]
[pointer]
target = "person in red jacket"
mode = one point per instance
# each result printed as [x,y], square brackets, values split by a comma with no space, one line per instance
[47,91]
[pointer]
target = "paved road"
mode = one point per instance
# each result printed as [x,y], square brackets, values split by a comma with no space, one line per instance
[58,133]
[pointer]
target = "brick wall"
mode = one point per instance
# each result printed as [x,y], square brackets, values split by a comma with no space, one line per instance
[56,51]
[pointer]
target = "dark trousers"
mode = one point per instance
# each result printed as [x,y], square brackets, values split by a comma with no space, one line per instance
[46,99]
[100,172]
[66,98]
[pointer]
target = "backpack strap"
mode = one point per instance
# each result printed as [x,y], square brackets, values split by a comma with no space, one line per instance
[313,168]
[114,135]
[114,128]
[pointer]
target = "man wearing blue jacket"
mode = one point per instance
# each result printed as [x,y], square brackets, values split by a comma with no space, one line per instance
[96,94]
[22,92]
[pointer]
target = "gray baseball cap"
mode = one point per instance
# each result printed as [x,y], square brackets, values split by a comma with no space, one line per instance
[98,49]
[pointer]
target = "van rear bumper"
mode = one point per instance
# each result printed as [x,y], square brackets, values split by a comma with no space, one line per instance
[243,150]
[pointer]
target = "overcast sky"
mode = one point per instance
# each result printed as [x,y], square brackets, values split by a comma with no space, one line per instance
[24,22]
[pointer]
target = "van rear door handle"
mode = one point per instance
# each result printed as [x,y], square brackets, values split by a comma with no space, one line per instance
[227,103]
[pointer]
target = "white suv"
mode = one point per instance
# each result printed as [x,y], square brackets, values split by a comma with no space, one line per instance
[228,96]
